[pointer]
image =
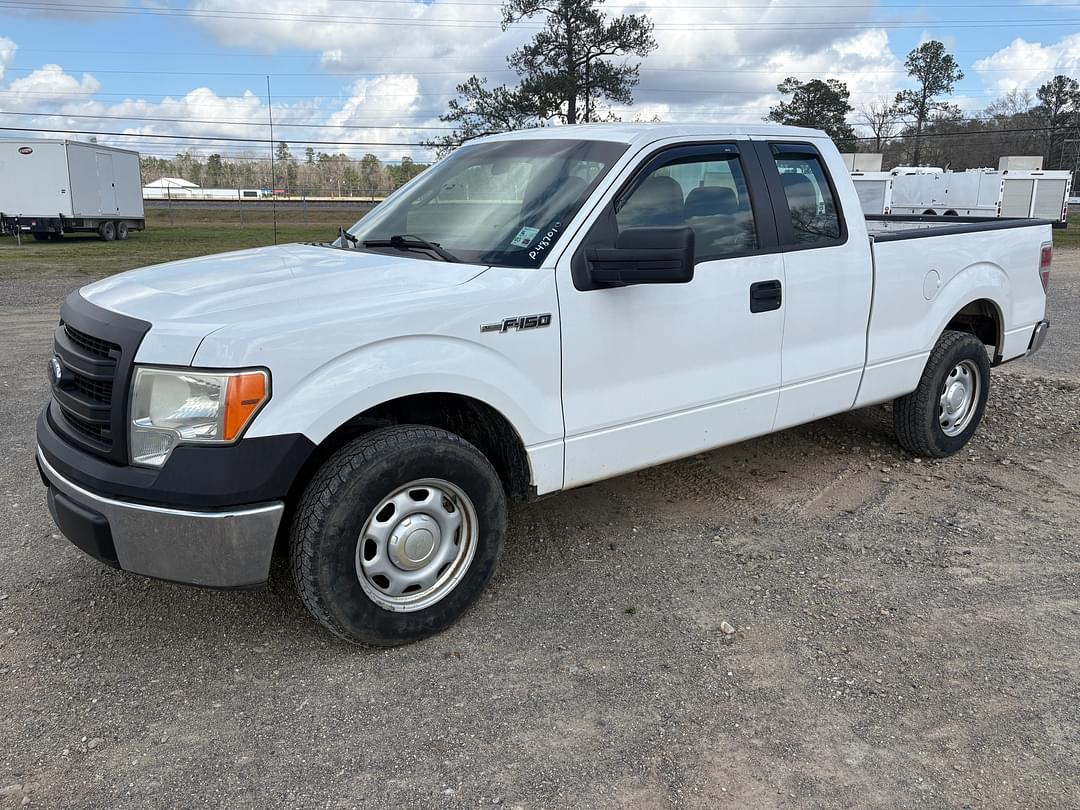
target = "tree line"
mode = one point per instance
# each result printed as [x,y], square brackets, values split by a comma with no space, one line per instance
[921,126]
[315,174]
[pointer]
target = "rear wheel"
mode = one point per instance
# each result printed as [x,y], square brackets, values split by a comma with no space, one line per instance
[40,237]
[121,230]
[940,416]
[397,535]
[107,231]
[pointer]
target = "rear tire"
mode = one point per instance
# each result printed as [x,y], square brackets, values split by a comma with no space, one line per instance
[397,535]
[121,230]
[40,237]
[940,416]
[107,231]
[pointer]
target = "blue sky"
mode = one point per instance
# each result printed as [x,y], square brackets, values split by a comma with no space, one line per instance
[381,71]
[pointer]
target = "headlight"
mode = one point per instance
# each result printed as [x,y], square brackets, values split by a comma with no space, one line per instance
[177,406]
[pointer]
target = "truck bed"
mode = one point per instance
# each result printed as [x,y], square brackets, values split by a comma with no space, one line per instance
[916,287]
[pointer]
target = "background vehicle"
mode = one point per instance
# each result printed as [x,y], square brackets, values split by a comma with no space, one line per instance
[540,310]
[875,190]
[1002,192]
[52,187]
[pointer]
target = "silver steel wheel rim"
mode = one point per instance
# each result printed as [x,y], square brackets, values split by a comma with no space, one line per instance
[416,545]
[959,398]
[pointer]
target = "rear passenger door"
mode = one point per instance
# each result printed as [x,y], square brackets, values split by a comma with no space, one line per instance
[829,284]
[660,371]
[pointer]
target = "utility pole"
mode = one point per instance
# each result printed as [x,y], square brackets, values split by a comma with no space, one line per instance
[273,181]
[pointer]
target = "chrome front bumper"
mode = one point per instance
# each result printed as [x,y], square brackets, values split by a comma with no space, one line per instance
[222,549]
[1038,337]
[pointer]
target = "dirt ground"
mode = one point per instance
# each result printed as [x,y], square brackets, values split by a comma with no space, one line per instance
[908,635]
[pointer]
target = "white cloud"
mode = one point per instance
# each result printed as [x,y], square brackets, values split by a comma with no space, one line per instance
[7,53]
[1023,65]
[49,87]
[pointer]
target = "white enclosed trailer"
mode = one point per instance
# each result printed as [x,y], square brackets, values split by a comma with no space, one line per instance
[52,187]
[1024,193]
[875,190]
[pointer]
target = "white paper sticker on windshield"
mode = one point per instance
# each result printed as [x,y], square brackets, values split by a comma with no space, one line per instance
[524,237]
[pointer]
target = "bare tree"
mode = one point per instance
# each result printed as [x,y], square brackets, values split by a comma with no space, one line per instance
[881,118]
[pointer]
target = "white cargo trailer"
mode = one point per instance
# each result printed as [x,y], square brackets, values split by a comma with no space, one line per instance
[875,190]
[1028,194]
[52,187]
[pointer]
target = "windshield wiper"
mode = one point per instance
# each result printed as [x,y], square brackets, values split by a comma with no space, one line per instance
[406,241]
[345,236]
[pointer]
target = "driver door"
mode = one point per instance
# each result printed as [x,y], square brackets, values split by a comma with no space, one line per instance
[660,371]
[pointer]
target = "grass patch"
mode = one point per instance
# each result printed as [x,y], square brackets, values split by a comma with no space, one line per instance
[180,234]
[1068,237]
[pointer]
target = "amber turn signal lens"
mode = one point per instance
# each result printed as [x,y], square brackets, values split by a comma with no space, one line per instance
[246,392]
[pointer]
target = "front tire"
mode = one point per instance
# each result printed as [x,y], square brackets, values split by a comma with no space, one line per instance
[107,231]
[397,535]
[940,416]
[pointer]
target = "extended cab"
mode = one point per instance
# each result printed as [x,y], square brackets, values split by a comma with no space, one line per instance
[538,311]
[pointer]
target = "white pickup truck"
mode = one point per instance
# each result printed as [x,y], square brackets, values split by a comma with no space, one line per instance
[539,310]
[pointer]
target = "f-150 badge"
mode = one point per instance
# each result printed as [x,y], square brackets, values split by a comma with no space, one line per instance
[520,323]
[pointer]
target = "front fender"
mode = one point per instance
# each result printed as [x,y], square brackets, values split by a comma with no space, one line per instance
[332,394]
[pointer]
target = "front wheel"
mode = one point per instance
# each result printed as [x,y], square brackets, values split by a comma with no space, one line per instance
[940,416]
[397,535]
[107,231]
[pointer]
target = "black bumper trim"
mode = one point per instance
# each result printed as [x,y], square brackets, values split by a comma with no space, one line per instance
[253,470]
[84,528]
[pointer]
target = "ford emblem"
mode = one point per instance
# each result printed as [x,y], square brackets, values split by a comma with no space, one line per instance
[25,150]
[56,370]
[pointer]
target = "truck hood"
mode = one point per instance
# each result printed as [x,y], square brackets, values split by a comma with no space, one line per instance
[186,300]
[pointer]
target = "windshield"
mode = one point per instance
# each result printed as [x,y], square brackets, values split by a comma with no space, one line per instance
[501,202]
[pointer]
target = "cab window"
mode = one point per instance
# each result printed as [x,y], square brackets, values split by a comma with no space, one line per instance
[706,193]
[815,215]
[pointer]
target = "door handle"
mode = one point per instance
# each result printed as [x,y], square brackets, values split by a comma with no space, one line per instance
[766,296]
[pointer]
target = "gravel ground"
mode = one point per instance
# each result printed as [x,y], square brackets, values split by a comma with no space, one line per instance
[906,635]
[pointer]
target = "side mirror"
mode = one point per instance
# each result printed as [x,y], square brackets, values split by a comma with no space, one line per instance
[643,256]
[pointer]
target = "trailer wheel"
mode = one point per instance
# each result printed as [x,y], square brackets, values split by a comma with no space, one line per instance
[40,237]
[107,231]
[121,230]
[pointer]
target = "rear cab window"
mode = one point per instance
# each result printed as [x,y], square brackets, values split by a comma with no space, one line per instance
[812,206]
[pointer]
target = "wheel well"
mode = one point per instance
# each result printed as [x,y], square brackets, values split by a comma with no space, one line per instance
[475,421]
[929,212]
[981,319]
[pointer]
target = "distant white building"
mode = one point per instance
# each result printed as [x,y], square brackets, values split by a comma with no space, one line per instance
[170,182]
[177,188]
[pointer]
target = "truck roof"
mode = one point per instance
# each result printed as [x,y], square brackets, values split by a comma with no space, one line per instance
[639,133]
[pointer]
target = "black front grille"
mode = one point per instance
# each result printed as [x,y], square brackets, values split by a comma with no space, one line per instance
[97,390]
[93,345]
[93,431]
[96,350]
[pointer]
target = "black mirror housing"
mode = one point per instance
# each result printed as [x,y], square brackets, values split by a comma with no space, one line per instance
[643,256]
